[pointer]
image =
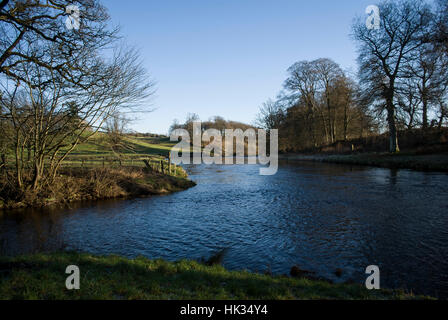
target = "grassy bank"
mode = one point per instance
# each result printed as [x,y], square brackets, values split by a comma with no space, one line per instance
[43,276]
[80,184]
[94,172]
[429,162]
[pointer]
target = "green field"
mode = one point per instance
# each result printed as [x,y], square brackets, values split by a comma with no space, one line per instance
[96,151]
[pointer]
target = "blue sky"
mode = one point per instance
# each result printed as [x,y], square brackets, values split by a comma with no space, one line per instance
[227,57]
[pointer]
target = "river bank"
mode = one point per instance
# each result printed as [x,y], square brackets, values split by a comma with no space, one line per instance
[431,162]
[86,184]
[42,276]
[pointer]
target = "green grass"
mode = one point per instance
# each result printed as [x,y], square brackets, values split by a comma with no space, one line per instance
[96,153]
[96,150]
[42,276]
[134,147]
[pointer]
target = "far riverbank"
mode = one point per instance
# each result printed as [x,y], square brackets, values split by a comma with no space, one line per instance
[431,162]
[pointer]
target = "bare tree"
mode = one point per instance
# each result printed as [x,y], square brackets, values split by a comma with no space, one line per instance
[346,105]
[115,128]
[302,83]
[26,23]
[428,72]
[175,125]
[328,72]
[191,118]
[409,102]
[384,52]
[271,115]
[439,34]
[318,85]
[54,115]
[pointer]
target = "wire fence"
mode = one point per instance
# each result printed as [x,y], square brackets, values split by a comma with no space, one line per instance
[153,163]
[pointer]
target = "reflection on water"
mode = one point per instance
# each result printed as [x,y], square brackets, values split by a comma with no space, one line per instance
[319,216]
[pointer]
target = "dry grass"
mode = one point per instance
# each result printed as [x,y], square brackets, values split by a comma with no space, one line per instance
[78,184]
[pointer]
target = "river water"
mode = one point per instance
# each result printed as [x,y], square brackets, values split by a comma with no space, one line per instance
[321,217]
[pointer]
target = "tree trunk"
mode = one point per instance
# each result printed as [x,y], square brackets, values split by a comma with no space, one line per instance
[38,171]
[425,114]
[330,121]
[442,115]
[393,137]
[345,122]
[18,164]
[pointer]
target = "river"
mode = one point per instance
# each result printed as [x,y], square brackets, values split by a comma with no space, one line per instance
[321,217]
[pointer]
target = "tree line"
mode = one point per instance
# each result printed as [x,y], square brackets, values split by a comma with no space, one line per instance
[60,85]
[216,122]
[402,83]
